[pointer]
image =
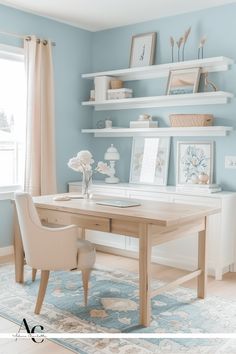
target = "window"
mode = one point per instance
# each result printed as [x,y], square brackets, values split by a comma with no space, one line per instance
[12,116]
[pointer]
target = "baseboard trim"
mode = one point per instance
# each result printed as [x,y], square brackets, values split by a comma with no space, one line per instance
[183,263]
[6,251]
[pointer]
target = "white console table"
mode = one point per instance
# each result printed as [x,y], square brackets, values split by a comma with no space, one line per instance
[179,253]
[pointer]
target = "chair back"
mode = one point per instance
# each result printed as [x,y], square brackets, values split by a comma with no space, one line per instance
[29,223]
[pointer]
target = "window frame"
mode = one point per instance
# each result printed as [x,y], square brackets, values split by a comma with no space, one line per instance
[17,54]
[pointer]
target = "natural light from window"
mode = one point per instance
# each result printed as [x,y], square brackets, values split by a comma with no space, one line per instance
[12,118]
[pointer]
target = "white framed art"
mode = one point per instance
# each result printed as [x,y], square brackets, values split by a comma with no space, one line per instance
[142,51]
[194,159]
[183,81]
[150,161]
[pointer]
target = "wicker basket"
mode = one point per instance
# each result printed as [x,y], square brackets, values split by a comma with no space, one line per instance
[191,120]
[116,84]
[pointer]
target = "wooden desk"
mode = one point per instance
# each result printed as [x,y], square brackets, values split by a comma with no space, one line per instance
[153,223]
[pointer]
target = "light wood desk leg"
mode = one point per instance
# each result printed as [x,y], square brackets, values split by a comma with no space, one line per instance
[18,252]
[144,275]
[202,264]
[82,234]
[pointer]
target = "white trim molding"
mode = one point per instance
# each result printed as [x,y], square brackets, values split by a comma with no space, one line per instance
[7,192]
[12,52]
[6,251]
[183,263]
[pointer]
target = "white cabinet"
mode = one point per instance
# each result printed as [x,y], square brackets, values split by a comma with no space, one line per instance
[180,253]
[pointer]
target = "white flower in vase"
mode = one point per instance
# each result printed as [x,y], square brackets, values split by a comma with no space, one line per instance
[83,163]
[103,168]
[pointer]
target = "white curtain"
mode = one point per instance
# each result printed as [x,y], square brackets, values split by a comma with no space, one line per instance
[40,166]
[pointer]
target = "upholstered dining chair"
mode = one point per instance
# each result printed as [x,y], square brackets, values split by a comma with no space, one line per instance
[51,249]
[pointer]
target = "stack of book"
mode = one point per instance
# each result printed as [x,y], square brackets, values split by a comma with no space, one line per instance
[199,188]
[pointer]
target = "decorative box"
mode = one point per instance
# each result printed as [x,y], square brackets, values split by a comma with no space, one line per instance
[119,94]
[191,120]
[143,124]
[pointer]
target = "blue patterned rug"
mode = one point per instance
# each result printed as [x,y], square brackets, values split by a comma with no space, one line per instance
[113,307]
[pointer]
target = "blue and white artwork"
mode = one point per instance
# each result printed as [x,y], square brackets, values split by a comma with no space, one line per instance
[194,159]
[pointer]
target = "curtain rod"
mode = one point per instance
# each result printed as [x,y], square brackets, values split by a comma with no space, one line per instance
[20,36]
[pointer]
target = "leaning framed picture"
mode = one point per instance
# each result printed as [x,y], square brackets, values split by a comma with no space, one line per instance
[142,51]
[194,162]
[150,161]
[183,81]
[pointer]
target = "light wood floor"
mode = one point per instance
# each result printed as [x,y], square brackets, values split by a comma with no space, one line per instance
[225,288]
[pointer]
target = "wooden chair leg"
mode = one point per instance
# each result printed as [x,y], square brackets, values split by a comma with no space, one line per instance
[42,290]
[34,271]
[18,251]
[85,278]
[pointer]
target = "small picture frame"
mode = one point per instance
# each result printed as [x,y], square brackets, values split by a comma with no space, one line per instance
[194,162]
[150,161]
[184,81]
[142,51]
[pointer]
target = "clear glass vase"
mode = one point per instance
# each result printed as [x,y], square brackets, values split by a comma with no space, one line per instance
[86,183]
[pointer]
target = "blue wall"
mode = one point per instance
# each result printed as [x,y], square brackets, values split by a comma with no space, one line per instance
[78,51]
[111,51]
[72,56]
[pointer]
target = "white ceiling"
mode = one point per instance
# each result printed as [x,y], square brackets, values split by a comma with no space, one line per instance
[95,15]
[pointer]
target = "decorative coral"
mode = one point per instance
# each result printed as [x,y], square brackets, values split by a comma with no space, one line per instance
[201,46]
[179,43]
[172,44]
[185,38]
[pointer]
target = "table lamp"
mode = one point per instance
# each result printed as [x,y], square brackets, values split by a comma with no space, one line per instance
[112,155]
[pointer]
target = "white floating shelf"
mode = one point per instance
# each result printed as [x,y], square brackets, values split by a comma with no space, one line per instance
[158,132]
[153,71]
[201,98]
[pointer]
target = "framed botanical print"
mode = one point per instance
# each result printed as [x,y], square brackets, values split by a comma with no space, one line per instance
[142,49]
[150,161]
[194,162]
[183,81]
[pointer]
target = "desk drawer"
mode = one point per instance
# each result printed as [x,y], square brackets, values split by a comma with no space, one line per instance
[83,221]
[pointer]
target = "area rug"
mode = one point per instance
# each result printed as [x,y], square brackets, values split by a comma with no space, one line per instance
[113,307]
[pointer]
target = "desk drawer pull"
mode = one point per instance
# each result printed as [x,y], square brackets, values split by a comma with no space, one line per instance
[44,220]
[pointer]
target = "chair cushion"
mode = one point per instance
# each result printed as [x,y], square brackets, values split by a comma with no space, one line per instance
[86,255]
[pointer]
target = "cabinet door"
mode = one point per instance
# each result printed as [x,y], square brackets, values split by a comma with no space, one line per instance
[162,197]
[109,191]
[197,200]
[105,189]
[106,239]
[187,248]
